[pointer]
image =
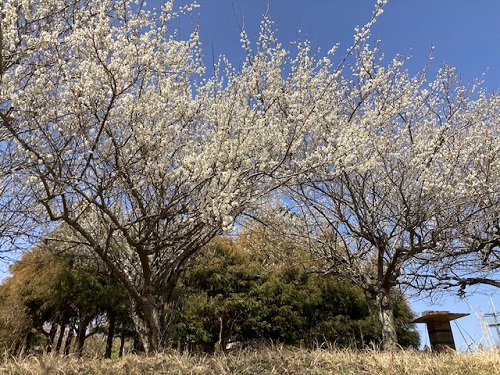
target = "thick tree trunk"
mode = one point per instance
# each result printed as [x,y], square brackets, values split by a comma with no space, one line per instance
[80,342]
[386,317]
[81,335]
[146,319]
[111,335]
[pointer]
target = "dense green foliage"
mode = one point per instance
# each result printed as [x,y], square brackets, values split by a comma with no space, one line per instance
[228,296]
[51,299]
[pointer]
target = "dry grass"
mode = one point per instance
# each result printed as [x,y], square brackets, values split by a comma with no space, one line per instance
[268,361]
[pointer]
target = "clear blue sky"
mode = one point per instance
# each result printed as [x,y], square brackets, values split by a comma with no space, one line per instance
[465,34]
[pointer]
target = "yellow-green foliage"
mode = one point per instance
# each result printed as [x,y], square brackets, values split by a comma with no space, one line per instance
[268,361]
[46,289]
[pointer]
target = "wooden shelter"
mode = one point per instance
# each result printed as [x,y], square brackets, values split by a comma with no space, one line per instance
[439,328]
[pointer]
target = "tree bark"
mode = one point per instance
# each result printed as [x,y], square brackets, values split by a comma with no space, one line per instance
[51,338]
[111,335]
[146,319]
[386,317]
[81,335]
[122,341]
[62,328]
[67,344]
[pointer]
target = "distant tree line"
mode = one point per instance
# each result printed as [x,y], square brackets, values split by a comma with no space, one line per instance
[230,296]
[54,302]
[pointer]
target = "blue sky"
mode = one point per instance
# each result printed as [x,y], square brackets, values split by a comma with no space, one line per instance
[464,33]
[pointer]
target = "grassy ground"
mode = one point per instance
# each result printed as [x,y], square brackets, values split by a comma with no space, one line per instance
[268,361]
